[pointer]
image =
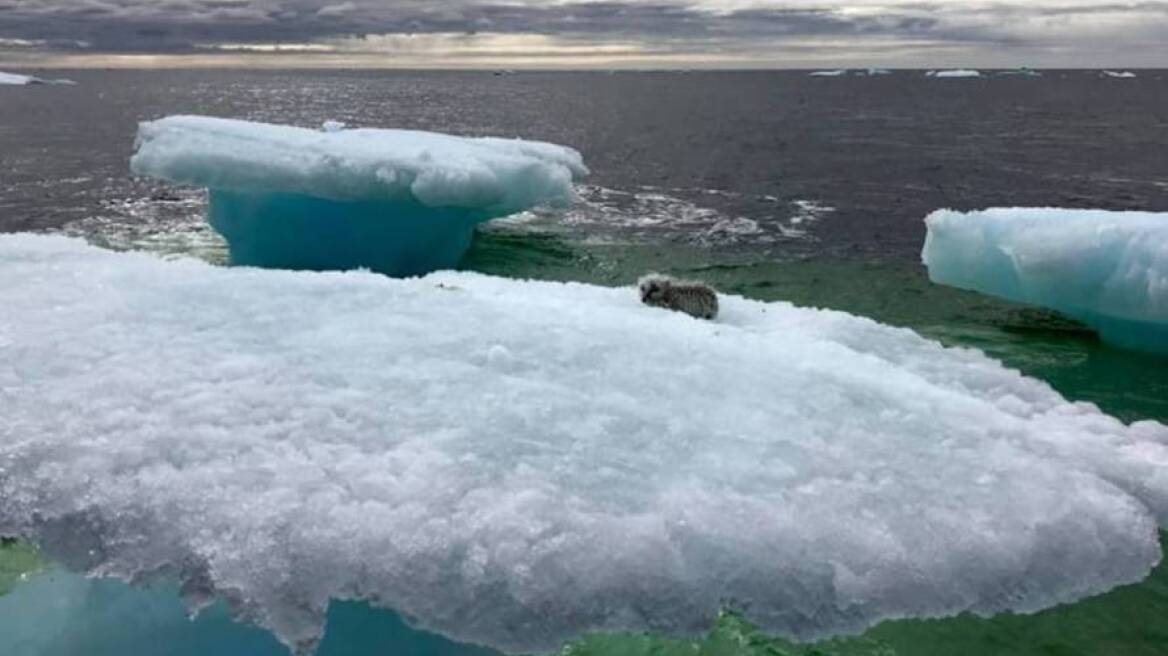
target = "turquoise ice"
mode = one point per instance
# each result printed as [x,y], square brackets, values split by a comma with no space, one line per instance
[1106,269]
[395,201]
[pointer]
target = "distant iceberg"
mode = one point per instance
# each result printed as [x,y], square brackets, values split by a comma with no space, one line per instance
[515,463]
[17,80]
[959,72]
[1021,72]
[1126,75]
[395,201]
[13,78]
[836,73]
[1106,269]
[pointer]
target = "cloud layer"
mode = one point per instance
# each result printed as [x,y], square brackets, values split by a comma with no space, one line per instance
[715,32]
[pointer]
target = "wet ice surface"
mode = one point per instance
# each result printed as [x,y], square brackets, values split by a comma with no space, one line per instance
[275,438]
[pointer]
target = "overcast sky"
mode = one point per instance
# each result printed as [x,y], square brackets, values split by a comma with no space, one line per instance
[573,34]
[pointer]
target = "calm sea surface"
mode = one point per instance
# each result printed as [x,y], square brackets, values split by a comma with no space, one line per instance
[770,185]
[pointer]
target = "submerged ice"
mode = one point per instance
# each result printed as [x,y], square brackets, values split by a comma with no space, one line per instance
[1106,269]
[395,201]
[514,463]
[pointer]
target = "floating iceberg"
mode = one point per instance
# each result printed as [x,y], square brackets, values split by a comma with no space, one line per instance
[395,201]
[960,72]
[1106,269]
[1123,75]
[17,79]
[515,463]
[1021,72]
[13,78]
[836,73]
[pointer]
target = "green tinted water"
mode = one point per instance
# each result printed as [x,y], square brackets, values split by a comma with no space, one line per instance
[17,562]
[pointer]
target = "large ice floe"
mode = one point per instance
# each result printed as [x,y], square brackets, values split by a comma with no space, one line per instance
[514,463]
[395,201]
[1106,269]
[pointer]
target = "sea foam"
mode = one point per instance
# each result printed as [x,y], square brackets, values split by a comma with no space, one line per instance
[516,463]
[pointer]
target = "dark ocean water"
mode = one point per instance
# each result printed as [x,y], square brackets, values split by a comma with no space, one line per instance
[770,185]
[751,147]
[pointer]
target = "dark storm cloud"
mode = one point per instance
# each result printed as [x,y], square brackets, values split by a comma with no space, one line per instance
[180,25]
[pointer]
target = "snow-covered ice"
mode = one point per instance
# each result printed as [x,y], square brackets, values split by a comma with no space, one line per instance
[396,201]
[1123,75]
[1106,269]
[955,73]
[834,73]
[514,463]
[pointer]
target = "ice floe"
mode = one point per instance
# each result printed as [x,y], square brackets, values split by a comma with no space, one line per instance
[514,463]
[17,80]
[955,73]
[396,201]
[1106,269]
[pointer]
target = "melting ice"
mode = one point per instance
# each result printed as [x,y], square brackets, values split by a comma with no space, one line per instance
[395,201]
[514,463]
[1106,269]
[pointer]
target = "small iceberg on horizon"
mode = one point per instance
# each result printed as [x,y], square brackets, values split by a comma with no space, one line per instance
[954,73]
[1106,269]
[835,73]
[1022,71]
[517,463]
[1120,75]
[399,202]
[16,79]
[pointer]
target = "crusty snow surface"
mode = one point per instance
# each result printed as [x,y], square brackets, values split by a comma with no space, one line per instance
[514,463]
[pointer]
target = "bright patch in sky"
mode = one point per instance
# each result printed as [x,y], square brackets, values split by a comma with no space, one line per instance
[461,33]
